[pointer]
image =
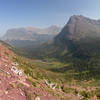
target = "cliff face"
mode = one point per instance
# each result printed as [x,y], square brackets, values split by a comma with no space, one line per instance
[79,36]
[80,27]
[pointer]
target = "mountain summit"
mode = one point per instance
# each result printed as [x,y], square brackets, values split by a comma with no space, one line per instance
[81,27]
[78,37]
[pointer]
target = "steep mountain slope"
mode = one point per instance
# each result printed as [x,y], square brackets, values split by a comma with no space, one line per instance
[7,77]
[83,35]
[77,43]
[78,35]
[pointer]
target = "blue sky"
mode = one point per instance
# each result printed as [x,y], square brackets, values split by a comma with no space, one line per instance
[43,13]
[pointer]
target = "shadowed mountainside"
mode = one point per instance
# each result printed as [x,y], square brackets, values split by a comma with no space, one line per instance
[78,43]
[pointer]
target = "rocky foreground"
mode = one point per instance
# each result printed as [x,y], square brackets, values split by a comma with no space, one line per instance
[13,85]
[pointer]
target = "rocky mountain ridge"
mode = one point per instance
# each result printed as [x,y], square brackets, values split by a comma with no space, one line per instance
[80,27]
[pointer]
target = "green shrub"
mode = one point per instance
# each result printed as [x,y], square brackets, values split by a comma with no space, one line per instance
[97,92]
[33,83]
[85,94]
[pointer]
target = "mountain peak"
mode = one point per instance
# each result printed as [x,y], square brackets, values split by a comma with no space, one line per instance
[79,27]
[75,18]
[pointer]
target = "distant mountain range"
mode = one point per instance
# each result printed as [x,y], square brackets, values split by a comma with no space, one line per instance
[29,38]
[31,33]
